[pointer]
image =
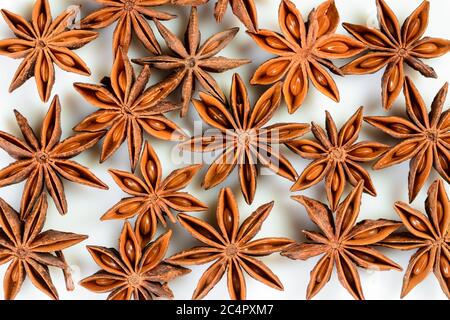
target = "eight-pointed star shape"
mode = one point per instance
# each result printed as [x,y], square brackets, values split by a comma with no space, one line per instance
[44,161]
[136,270]
[429,234]
[127,109]
[192,62]
[131,17]
[426,138]
[342,243]
[43,42]
[392,46]
[31,251]
[153,197]
[239,133]
[231,247]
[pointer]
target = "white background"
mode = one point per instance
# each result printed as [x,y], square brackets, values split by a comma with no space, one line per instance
[288,218]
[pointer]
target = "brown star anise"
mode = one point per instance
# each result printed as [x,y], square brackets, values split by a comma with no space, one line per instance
[342,243]
[153,197]
[426,138]
[136,270]
[231,247]
[244,10]
[131,17]
[392,46]
[43,42]
[127,108]
[429,234]
[192,62]
[239,133]
[32,251]
[42,162]
[304,50]
[336,158]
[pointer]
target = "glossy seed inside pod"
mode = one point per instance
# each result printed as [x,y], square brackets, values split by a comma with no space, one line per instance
[421,263]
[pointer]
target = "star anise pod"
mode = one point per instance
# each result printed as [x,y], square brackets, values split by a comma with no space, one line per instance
[244,10]
[429,234]
[127,108]
[336,158]
[426,138]
[392,46]
[192,62]
[153,197]
[131,17]
[31,251]
[43,42]
[342,243]
[43,162]
[135,270]
[303,51]
[239,133]
[231,247]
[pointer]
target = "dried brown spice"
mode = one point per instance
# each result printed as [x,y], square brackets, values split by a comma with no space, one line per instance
[392,46]
[127,109]
[131,17]
[303,51]
[153,197]
[239,133]
[231,247]
[192,62]
[342,243]
[430,235]
[31,251]
[426,138]
[336,158]
[136,270]
[43,42]
[244,10]
[44,161]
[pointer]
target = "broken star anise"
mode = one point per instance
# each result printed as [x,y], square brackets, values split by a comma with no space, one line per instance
[392,46]
[43,42]
[239,133]
[131,17]
[127,108]
[426,138]
[44,161]
[231,247]
[429,234]
[244,10]
[136,270]
[342,243]
[152,197]
[192,62]
[336,158]
[303,51]
[31,251]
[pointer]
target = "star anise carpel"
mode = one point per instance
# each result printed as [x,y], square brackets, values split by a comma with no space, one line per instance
[392,46]
[136,271]
[127,108]
[43,161]
[31,251]
[239,132]
[231,247]
[337,157]
[303,52]
[131,17]
[244,10]
[342,243]
[153,198]
[430,235]
[43,42]
[425,138]
[192,62]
